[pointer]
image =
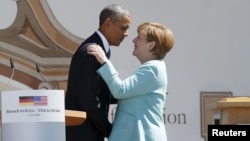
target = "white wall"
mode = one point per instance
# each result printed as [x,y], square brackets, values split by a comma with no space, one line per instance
[211,51]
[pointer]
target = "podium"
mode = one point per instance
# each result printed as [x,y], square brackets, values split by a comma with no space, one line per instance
[235,110]
[36,115]
[74,117]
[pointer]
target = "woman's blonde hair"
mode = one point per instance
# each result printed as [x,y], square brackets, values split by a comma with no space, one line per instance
[161,35]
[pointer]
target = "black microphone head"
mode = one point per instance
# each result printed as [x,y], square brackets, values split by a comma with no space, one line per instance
[37,68]
[12,63]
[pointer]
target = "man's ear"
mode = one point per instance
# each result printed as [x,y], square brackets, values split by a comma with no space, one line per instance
[107,22]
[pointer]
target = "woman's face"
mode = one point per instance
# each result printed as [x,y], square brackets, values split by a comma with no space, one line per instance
[141,48]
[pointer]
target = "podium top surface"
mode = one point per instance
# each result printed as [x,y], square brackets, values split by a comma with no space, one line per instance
[74,117]
[233,102]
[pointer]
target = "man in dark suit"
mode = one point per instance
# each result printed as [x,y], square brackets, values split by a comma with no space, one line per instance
[86,90]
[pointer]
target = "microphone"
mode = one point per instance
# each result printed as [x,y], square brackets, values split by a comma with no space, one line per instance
[43,77]
[12,74]
[12,64]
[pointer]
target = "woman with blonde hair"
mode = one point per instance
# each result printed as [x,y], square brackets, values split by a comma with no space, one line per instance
[141,96]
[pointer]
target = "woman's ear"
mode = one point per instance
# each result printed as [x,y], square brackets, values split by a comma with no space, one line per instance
[151,45]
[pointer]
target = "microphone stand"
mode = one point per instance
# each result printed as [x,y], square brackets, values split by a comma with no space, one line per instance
[43,77]
[12,74]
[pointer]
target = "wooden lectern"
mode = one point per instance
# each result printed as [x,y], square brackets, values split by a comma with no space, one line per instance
[234,110]
[74,117]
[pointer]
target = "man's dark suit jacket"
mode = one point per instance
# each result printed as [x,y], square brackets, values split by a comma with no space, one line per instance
[88,92]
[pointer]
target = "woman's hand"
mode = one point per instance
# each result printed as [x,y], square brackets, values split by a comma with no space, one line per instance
[98,52]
